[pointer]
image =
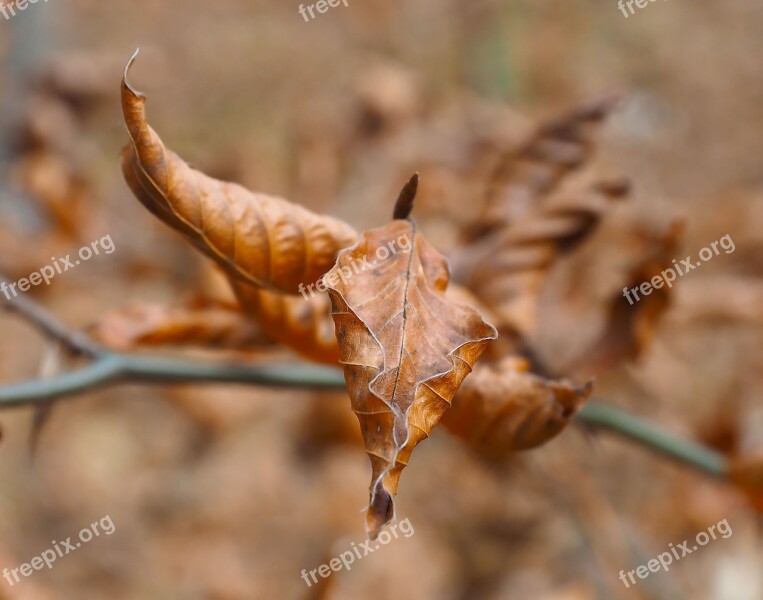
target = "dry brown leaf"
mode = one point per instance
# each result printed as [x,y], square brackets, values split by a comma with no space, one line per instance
[198,322]
[504,408]
[305,326]
[261,239]
[557,148]
[404,347]
[506,270]
[628,329]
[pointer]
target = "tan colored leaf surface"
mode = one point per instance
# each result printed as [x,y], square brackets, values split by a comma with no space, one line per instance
[503,408]
[305,326]
[261,239]
[404,347]
[199,322]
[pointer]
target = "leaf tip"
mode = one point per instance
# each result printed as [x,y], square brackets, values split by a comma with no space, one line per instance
[404,204]
[381,510]
[126,73]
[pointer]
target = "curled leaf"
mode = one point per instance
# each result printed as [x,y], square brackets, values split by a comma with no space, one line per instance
[404,346]
[261,239]
[503,408]
[556,148]
[507,269]
[628,329]
[198,322]
[304,325]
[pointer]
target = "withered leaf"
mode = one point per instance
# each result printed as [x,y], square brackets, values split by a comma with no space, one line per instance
[507,269]
[261,239]
[529,174]
[404,347]
[196,322]
[629,329]
[303,325]
[503,408]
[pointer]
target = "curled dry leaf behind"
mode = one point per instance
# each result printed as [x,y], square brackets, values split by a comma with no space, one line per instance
[305,326]
[404,347]
[508,268]
[627,330]
[197,322]
[524,176]
[503,408]
[263,240]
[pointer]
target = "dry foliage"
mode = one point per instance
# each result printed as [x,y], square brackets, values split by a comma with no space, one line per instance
[227,491]
[197,322]
[404,347]
[503,408]
[405,344]
[524,176]
[263,240]
[305,326]
[508,267]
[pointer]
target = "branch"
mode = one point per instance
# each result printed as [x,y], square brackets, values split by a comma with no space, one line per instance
[661,441]
[111,368]
[75,341]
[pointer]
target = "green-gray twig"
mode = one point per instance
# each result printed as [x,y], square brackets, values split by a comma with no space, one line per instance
[109,368]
